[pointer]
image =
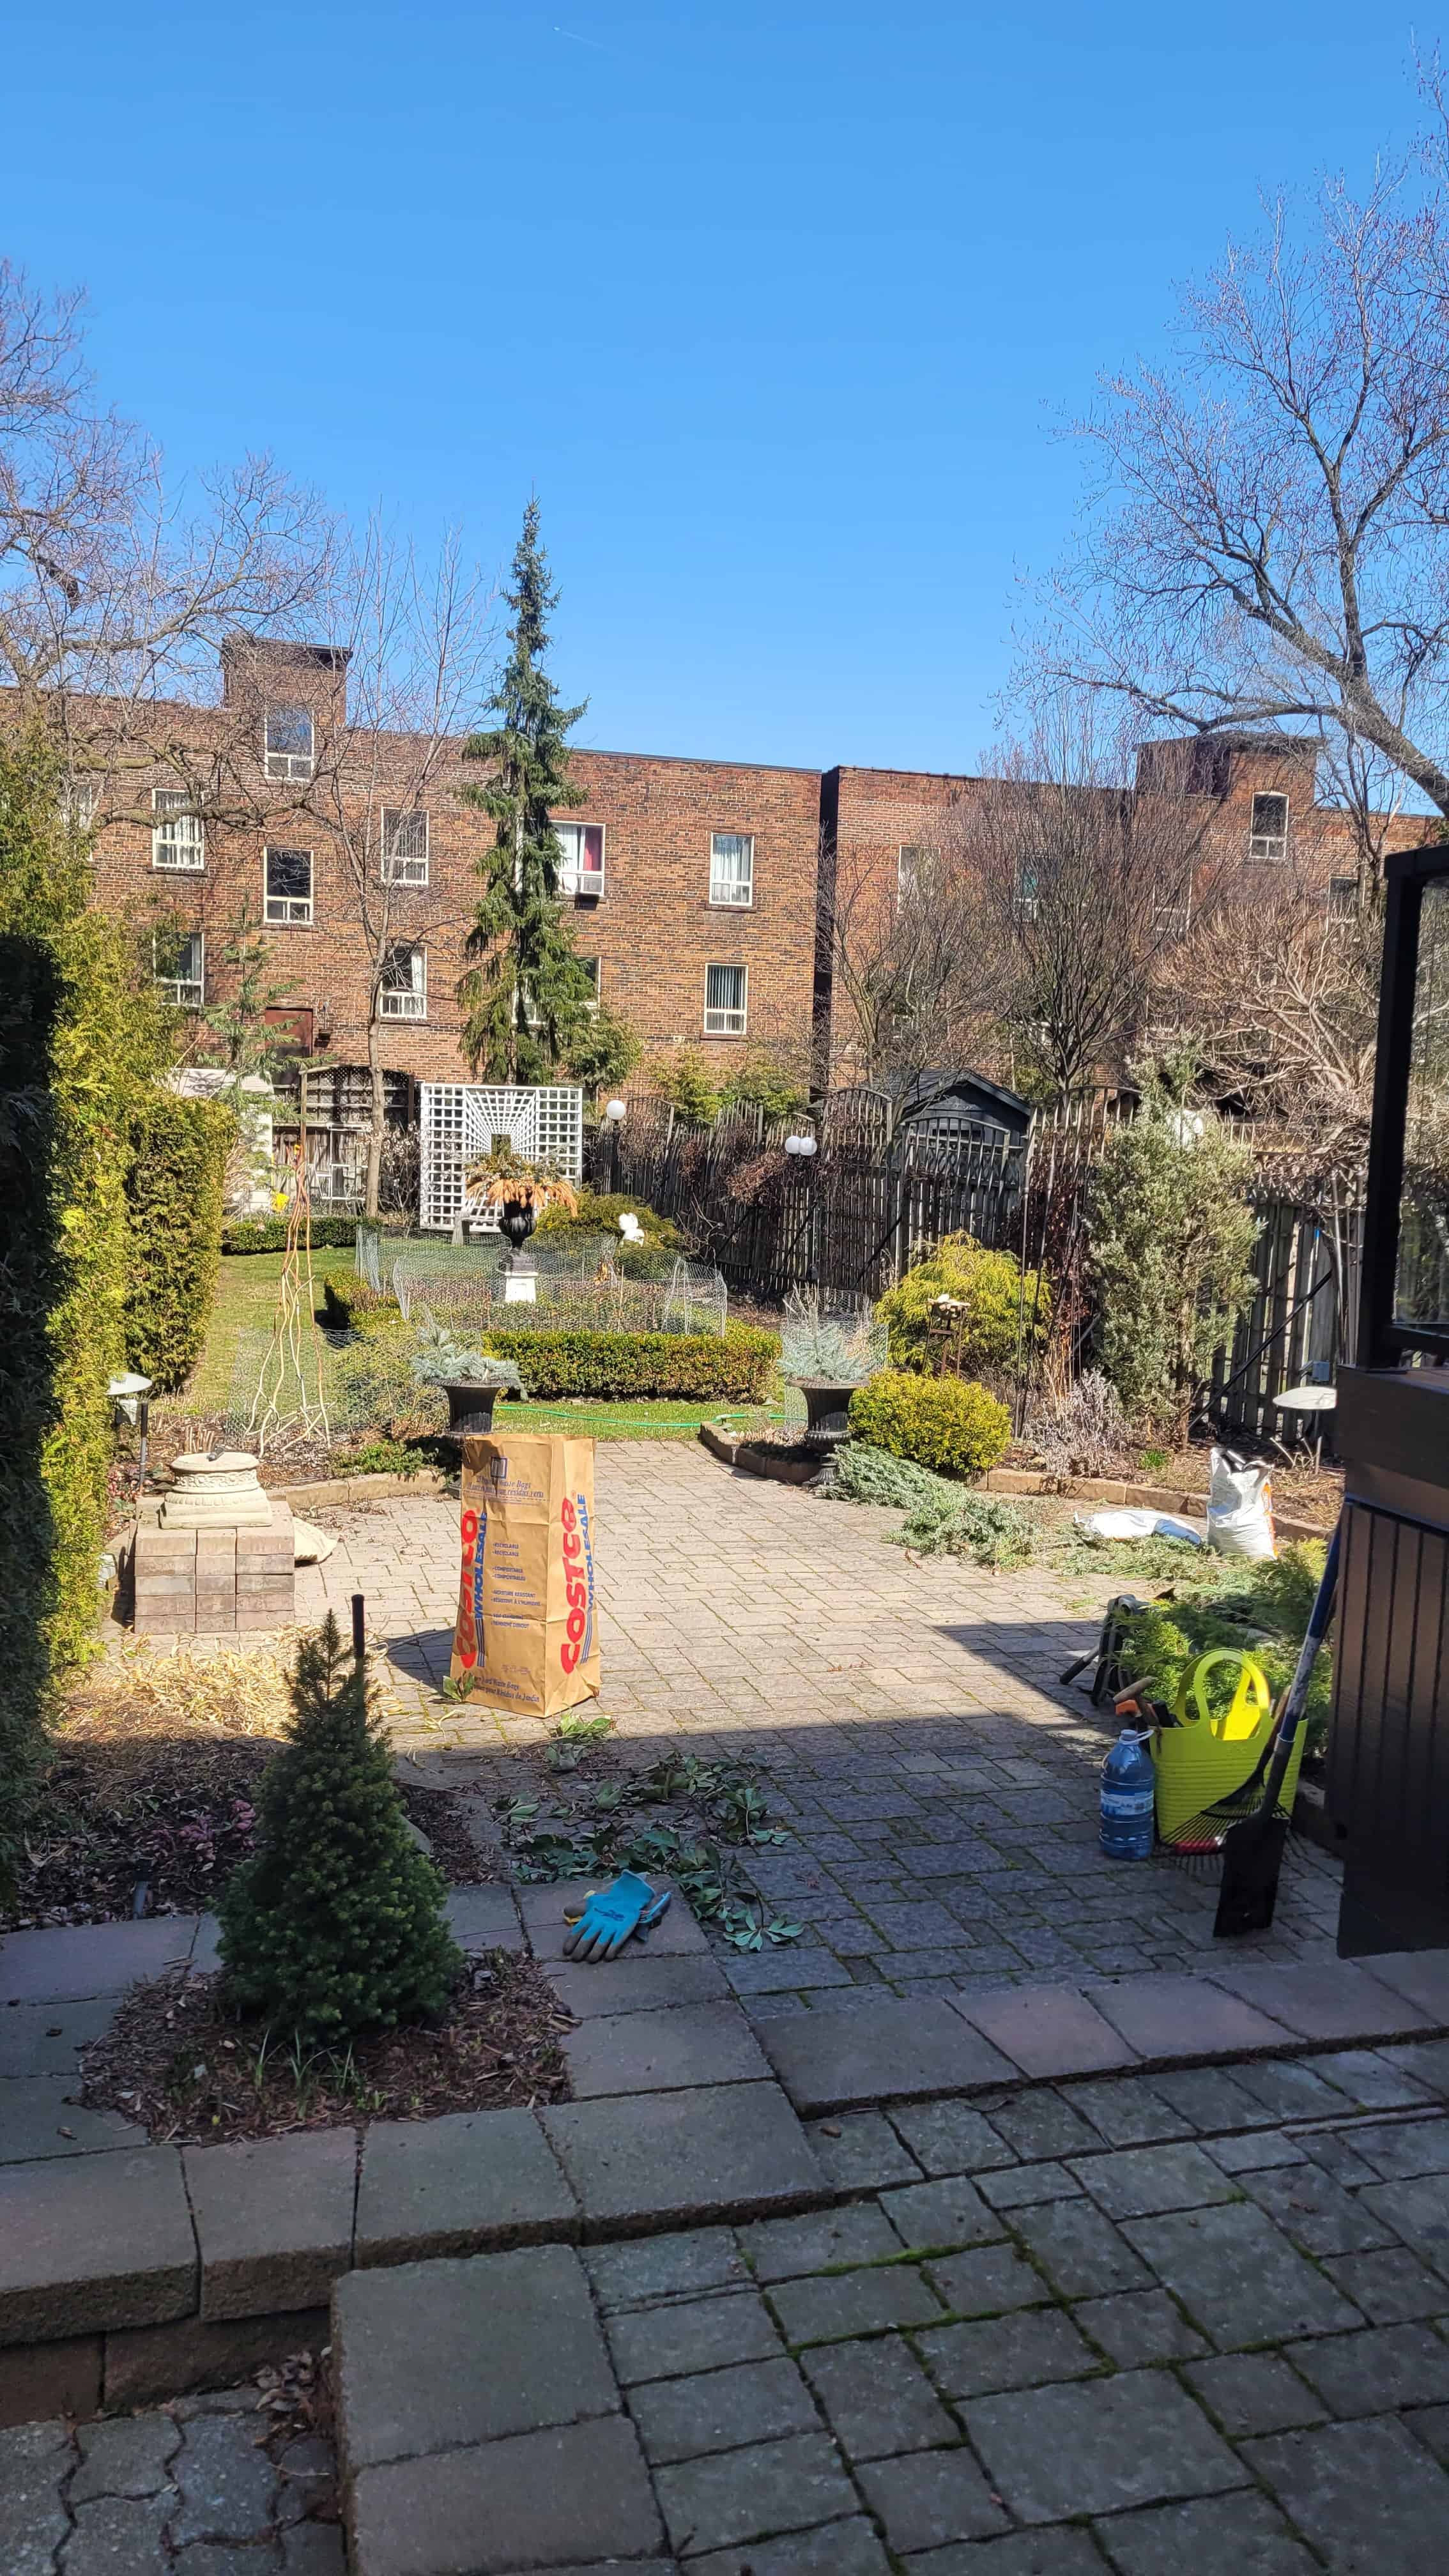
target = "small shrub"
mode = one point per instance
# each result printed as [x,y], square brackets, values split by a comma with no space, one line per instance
[379,1458]
[335,1926]
[738,1365]
[1170,1246]
[598,1212]
[777,1084]
[998,1298]
[350,1306]
[686,1081]
[174,1191]
[439,1360]
[1086,1433]
[943,1422]
[816,1344]
[269,1234]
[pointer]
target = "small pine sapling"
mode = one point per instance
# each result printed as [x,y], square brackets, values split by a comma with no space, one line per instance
[335,1925]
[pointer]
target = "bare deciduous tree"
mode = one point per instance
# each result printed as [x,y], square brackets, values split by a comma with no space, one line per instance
[905,960]
[1270,546]
[1088,875]
[115,591]
[419,639]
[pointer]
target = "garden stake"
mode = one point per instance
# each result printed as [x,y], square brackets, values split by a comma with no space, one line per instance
[1253,1849]
[359,1633]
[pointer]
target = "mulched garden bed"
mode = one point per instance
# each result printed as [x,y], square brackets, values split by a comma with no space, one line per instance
[177,2064]
[125,1826]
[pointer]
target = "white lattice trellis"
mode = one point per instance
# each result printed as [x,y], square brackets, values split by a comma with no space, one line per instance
[460,1121]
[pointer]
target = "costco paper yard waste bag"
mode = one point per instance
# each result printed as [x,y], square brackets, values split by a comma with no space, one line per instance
[527,1634]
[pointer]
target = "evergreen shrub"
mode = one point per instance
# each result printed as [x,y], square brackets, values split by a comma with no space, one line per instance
[738,1365]
[999,1302]
[948,1423]
[174,1193]
[335,1925]
[269,1234]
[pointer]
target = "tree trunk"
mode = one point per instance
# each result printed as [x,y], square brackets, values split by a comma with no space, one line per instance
[378,1116]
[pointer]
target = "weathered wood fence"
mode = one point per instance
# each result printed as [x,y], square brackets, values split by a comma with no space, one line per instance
[851,1221]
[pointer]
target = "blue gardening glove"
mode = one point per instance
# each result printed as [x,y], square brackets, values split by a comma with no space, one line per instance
[613,1915]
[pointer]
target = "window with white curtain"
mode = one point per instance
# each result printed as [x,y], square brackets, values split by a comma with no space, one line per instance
[724,1001]
[404,845]
[732,868]
[178,962]
[403,994]
[288,888]
[1268,831]
[178,837]
[582,849]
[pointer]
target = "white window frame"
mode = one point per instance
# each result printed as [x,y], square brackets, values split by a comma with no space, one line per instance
[584,884]
[1026,905]
[723,891]
[288,911]
[178,836]
[1172,914]
[410,867]
[185,992]
[719,1022]
[406,1002]
[1342,899]
[1263,844]
[289,765]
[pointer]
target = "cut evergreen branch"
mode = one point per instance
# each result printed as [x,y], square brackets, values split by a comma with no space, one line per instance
[335,1926]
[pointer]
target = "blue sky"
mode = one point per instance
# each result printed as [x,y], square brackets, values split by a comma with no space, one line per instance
[778,310]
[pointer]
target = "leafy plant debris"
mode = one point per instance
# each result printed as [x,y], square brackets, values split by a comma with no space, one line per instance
[718,1812]
[177,2063]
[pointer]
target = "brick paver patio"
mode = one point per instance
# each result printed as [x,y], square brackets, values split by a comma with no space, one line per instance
[939,1783]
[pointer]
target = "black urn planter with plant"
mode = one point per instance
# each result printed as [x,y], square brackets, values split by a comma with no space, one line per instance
[470,1408]
[516,1220]
[827,1404]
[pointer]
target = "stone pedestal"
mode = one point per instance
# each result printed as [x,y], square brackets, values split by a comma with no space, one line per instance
[216,1490]
[214,1581]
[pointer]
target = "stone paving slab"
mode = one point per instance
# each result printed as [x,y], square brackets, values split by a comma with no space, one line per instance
[458,2184]
[273,2220]
[94,2241]
[730,2151]
[77,1960]
[42,2115]
[663,2052]
[485,1918]
[829,2061]
[45,2038]
[547,2499]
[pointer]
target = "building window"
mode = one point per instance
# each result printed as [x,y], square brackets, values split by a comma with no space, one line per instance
[910,867]
[1268,834]
[289,886]
[178,961]
[79,798]
[1342,898]
[581,846]
[1172,917]
[178,837]
[404,845]
[731,868]
[289,742]
[724,1001]
[1027,893]
[403,991]
[594,969]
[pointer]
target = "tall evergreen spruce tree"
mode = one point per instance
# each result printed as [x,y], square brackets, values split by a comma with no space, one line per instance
[527,994]
[335,1925]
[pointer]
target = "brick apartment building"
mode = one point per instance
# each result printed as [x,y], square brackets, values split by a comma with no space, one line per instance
[698,887]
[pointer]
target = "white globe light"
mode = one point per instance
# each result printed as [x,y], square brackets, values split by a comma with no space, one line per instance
[615,1110]
[800,1145]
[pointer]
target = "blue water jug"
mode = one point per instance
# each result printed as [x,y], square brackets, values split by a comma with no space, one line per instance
[1128,1788]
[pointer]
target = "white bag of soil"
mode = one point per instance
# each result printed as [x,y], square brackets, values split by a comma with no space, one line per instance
[1240,1507]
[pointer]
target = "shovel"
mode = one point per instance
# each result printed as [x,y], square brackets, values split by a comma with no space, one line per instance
[1253,1849]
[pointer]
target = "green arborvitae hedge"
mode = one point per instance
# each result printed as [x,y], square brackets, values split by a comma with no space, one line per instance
[269,1234]
[174,1191]
[737,1365]
[948,1423]
[82,1036]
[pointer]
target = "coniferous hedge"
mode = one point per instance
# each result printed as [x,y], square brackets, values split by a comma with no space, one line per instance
[174,1191]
